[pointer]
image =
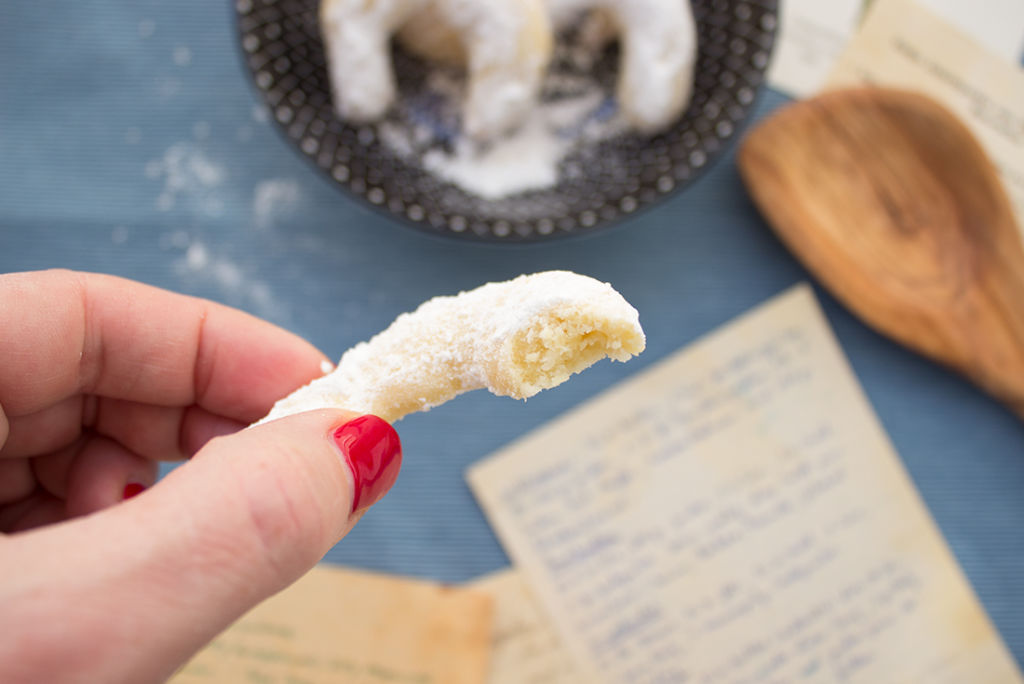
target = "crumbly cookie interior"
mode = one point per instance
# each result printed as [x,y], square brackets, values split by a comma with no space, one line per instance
[552,349]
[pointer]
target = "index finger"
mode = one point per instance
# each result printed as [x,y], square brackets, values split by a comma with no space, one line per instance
[69,333]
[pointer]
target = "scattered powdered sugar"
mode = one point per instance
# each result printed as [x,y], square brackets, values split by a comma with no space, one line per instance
[119,235]
[188,175]
[398,138]
[260,113]
[273,199]
[179,239]
[198,263]
[196,257]
[229,276]
[167,87]
[182,55]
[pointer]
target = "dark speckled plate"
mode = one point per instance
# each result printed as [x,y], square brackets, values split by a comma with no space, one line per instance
[600,183]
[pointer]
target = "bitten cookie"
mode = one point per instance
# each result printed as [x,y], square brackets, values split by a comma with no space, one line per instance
[514,338]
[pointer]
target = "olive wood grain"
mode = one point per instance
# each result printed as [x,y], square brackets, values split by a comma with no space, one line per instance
[888,199]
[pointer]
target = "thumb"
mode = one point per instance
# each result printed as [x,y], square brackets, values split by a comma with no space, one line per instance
[179,563]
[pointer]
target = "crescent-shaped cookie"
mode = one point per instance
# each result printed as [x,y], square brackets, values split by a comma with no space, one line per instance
[514,338]
[505,45]
[659,53]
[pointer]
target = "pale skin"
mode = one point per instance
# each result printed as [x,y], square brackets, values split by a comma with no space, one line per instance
[100,378]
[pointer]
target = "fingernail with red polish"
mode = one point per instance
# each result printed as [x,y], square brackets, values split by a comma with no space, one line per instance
[132,489]
[374,454]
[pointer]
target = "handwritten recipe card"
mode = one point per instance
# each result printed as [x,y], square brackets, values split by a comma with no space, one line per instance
[736,514]
[903,45]
[526,649]
[811,35]
[337,625]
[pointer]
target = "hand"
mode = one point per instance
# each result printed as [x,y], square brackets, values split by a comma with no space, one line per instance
[99,379]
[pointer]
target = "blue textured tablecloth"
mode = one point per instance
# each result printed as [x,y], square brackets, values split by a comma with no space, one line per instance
[131,143]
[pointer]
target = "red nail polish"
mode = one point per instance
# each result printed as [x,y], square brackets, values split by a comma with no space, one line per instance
[374,454]
[132,489]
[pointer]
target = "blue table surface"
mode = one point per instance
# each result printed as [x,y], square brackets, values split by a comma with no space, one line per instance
[132,143]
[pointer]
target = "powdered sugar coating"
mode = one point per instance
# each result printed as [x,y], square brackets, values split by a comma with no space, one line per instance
[514,338]
[659,53]
[507,44]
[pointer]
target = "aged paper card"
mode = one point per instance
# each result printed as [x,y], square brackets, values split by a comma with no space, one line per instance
[996,24]
[735,514]
[904,45]
[811,35]
[526,648]
[341,626]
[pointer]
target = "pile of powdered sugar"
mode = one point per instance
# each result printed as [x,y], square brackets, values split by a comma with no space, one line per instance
[576,110]
[526,160]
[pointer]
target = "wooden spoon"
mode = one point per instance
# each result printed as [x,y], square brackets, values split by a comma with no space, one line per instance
[889,200]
